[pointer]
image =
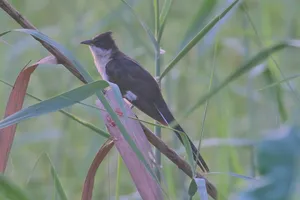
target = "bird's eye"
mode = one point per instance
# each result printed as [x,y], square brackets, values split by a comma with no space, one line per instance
[99,44]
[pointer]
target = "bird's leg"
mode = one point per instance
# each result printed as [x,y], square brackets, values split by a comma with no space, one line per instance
[104,91]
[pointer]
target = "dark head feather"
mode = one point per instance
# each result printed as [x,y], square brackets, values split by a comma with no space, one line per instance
[103,41]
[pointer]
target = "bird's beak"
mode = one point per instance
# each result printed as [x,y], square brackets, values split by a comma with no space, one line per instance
[87,42]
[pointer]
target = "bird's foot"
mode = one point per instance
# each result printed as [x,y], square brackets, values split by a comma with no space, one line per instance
[104,91]
[110,122]
[119,112]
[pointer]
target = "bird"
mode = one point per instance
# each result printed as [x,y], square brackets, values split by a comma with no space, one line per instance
[136,85]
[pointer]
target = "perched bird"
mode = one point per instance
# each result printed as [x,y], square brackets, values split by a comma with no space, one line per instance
[135,83]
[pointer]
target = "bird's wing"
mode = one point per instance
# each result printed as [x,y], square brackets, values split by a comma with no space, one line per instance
[141,89]
[136,84]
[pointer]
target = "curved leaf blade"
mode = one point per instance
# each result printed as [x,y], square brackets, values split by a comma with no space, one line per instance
[163,17]
[87,191]
[276,83]
[145,27]
[14,104]
[276,94]
[197,38]
[55,103]
[189,152]
[259,57]
[204,11]
[156,16]
[58,186]
[71,116]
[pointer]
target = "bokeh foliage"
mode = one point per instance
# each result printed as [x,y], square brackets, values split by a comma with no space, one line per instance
[239,111]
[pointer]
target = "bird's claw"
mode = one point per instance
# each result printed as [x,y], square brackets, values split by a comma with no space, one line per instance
[119,112]
[104,91]
[110,121]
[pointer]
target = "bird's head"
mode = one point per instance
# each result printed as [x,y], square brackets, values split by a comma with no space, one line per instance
[103,41]
[102,45]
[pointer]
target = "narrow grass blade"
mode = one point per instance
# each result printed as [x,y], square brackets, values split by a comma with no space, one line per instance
[86,124]
[56,103]
[279,82]
[261,56]
[196,39]
[10,191]
[204,11]
[189,152]
[145,27]
[57,183]
[157,130]
[34,168]
[118,178]
[212,73]
[156,17]
[276,94]
[58,186]
[4,33]
[163,17]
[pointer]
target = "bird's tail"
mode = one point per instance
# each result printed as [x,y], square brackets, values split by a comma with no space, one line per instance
[169,119]
[197,157]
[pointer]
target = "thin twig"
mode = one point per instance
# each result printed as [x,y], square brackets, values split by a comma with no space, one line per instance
[11,11]
[177,160]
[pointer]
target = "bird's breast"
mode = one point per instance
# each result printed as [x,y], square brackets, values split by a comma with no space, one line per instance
[101,67]
[101,64]
[101,58]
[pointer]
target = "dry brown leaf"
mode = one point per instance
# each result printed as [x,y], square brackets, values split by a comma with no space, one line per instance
[14,104]
[146,185]
[87,192]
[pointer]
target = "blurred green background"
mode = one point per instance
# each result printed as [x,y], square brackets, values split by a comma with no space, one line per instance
[238,116]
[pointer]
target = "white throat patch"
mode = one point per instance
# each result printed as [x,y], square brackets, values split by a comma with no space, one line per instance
[101,58]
